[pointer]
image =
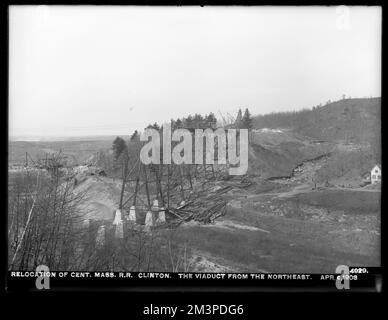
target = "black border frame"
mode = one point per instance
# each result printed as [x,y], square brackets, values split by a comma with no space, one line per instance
[4,21]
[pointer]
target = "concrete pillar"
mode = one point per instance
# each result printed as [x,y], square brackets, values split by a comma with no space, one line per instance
[119,232]
[132,214]
[148,220]
[117,218]
[161,216]
[155,210]
[155,205]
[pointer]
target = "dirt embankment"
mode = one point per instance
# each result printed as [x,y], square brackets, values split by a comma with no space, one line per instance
[305,171]
[101,197]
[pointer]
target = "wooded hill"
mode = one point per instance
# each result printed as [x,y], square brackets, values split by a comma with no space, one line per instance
[345,122]
[349,120]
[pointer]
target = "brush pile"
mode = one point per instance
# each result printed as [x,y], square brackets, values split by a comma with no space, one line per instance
[207,204]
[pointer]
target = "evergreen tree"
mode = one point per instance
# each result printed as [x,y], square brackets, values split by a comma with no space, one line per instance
[211,121]
[198,121]
[119,146]
[238,119]
[153,126]
[247,120]
[178,124]
[188,122]
[134,135]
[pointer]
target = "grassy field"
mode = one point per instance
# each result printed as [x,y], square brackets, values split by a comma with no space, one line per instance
[77,151]
[288,246]
[255,238]
[349,201]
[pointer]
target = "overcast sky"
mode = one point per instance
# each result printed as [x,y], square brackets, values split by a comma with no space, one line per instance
[94,70]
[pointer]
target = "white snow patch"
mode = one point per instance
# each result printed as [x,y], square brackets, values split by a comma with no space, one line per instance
[268,130]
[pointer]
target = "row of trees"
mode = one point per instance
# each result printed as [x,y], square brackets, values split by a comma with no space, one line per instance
[197,121]
[244,121]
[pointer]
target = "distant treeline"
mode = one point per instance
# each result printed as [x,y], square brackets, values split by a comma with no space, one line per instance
[350,120]
[197,121]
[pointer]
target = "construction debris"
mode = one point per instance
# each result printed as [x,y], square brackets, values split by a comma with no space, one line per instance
[132,214]
[206,206]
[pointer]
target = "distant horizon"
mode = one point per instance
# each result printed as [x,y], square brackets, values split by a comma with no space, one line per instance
[33,137]
[91,137]
[53,138]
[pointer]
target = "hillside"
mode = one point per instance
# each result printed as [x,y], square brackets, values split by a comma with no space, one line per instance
[350,120]
[348,129]
[275,153]
[76,152]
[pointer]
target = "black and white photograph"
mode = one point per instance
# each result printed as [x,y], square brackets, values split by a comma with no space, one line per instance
[217,140]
